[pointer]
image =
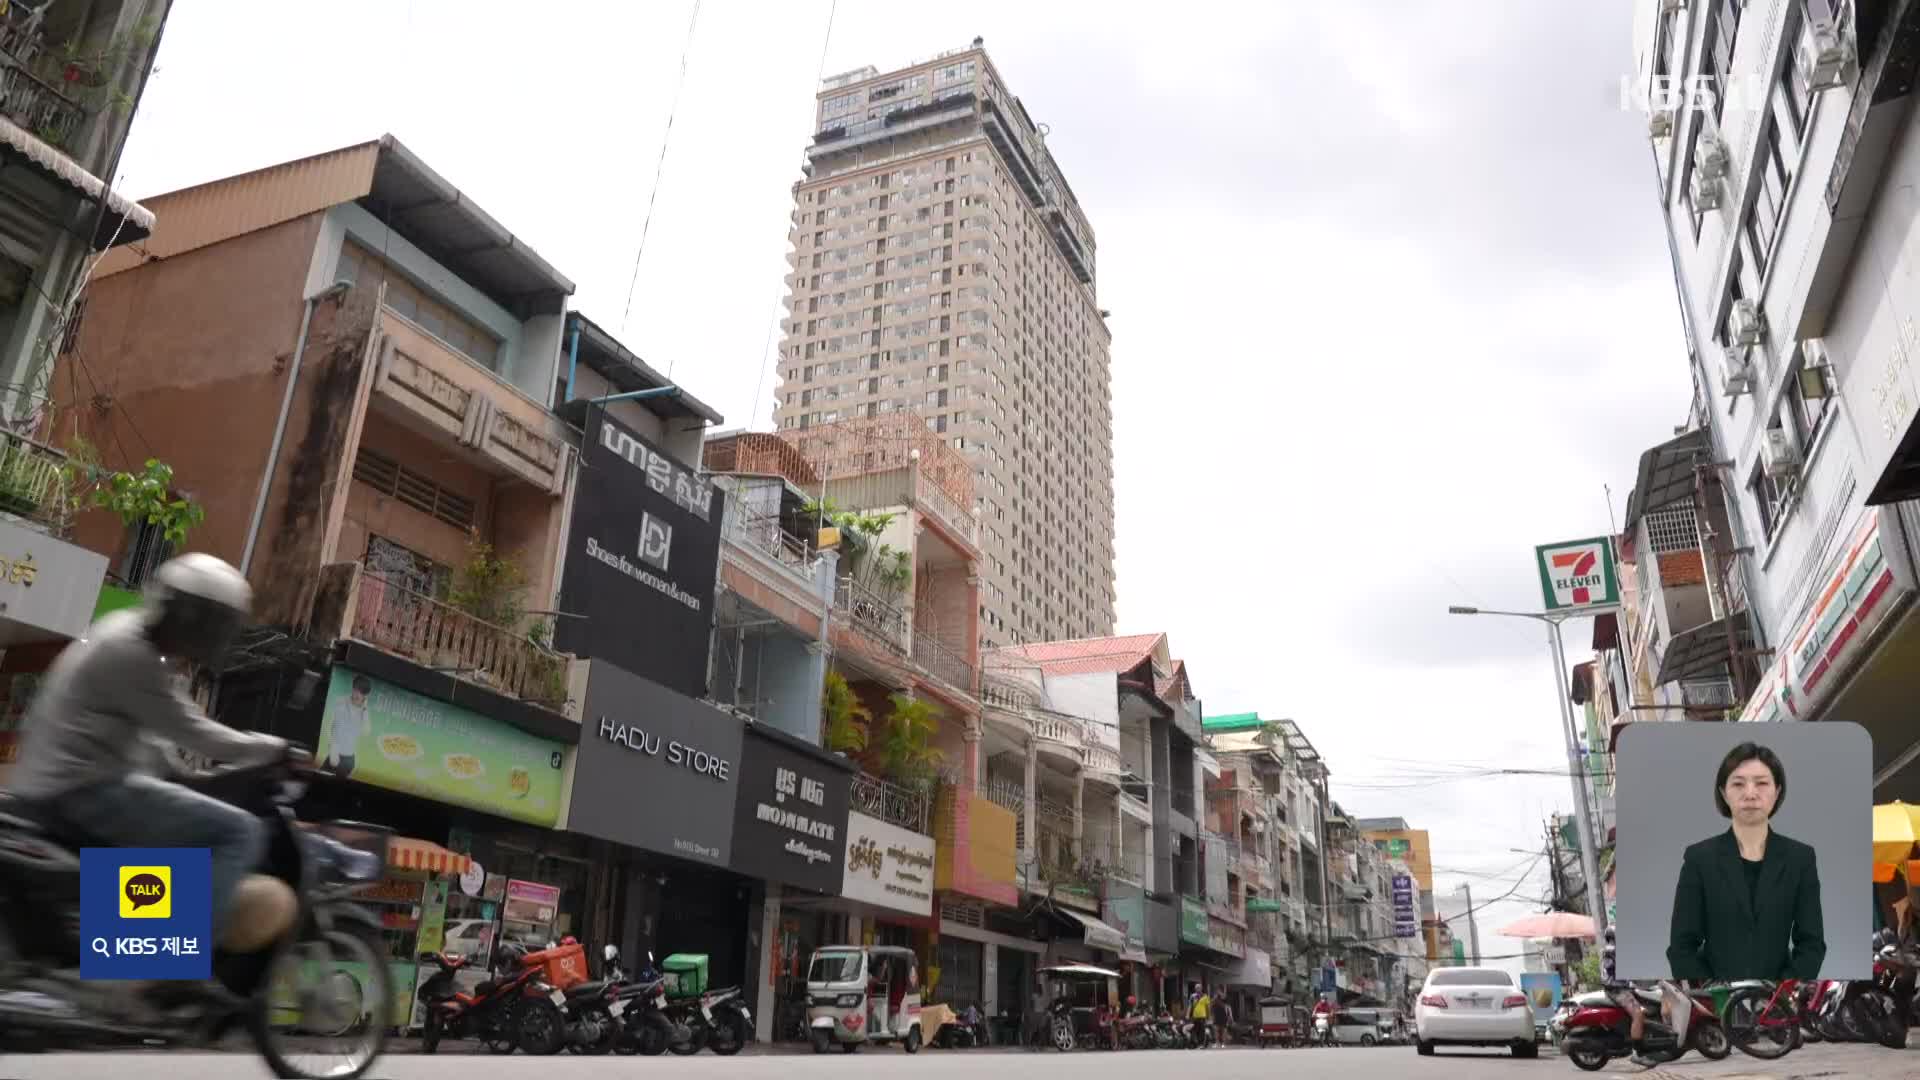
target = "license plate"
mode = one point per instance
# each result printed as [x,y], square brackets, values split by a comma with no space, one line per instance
[617,1008]
[557,997]
[1468,1003]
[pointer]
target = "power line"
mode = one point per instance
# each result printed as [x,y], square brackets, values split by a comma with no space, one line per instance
[666,139]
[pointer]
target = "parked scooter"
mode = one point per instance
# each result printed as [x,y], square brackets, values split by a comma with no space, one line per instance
[491,1013]
[1597,1032]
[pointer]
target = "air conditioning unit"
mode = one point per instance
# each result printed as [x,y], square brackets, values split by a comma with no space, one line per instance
[1778,455]
[1816,370]
[1746,324]
[1710,156]
[1705,193]
[1825,55]
[1660,124]
[1736,371]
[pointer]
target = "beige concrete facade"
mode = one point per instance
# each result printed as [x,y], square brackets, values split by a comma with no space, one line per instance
[942,267]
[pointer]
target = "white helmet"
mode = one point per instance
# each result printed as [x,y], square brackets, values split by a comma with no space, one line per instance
[196,603]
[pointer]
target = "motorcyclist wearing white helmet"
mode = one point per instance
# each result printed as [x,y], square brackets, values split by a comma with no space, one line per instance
[86,757]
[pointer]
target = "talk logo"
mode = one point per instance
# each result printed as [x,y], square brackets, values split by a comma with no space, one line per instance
[146,892]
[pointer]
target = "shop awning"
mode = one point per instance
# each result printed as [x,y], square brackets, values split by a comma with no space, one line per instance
[408,854]
[1665,476]
[1099,934]
[1702,651]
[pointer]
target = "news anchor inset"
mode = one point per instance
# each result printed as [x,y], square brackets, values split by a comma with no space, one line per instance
[1747,905]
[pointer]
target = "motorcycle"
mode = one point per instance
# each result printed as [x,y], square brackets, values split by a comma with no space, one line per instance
[45,1005]
[1168,1032]
[491,1013]
[718,1020]
[1895,969]
[640,1009]
[1597,1031]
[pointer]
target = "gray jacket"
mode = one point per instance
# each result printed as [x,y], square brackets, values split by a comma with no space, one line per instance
[101,705]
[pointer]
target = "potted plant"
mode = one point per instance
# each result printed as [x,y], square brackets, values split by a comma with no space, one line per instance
[844,717]
[906,752]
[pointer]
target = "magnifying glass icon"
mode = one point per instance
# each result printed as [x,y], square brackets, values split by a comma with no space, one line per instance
[100,946]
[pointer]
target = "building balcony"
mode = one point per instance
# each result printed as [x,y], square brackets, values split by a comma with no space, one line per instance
[1102,764]
[31,72]
[877,462]
[891,803]
[1059,734]
[38,485]
[440,392]
[874,618]
[943,662]
[375,609]
[766,537]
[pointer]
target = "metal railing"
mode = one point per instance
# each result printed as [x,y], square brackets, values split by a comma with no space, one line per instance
[25,63]
[942,661]
[764,534]
[390,616]
[871,615]
[889,802]
[1707,694]
[931,499]
[34,483]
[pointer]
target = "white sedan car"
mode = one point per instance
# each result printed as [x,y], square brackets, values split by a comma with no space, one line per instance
[1463,1006]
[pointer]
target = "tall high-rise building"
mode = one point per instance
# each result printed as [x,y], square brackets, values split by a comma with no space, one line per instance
[942,267]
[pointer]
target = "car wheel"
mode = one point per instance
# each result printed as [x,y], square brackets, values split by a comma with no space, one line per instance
[1423,1048]
[1526,1050]
[1367,1040]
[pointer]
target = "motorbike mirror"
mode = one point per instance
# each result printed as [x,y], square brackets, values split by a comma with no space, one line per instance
[611,952]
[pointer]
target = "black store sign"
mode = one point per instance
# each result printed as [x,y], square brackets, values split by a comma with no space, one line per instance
[657,769]
[791,822]
[643,552]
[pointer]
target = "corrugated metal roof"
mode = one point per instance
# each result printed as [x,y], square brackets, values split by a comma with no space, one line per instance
[38,151]
[206,214]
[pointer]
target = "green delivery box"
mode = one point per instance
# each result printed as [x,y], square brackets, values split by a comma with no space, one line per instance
[686,974]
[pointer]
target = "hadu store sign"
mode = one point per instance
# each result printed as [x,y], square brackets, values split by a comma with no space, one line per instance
[1577,575]
[655,769]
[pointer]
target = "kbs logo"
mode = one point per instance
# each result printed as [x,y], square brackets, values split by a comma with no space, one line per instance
[146,892]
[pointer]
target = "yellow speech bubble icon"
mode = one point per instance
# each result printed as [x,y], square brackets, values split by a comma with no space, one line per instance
[146,892]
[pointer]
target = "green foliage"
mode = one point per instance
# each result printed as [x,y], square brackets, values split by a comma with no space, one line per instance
[1586,973]
[907,754]
[880,567]
[146,498]
[488,586]
[844,716]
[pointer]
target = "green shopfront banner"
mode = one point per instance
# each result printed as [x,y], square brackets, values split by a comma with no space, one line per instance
[1193,921]
[380,734]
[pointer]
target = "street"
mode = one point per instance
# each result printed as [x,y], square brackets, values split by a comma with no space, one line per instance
[1384,1063]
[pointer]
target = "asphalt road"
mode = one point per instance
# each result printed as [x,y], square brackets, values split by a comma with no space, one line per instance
[1380,1063]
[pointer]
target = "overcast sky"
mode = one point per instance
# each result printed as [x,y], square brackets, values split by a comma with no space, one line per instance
[1391,304]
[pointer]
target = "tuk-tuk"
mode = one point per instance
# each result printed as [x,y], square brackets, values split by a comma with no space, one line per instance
[863,993]
[1278,1024]
[1082,1007]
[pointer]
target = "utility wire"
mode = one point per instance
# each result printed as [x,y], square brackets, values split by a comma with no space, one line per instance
[666,139]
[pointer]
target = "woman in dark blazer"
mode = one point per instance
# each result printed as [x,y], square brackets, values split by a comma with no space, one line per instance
[1747,905]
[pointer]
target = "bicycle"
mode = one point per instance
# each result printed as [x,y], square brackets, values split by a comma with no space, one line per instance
[1762,1018]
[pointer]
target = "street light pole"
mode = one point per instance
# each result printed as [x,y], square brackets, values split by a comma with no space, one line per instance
[1589,853]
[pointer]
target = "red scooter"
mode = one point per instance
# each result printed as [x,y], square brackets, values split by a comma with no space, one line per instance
[1597,1032]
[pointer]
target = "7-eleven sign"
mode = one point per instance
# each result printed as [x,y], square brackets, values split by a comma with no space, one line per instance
[1578,575]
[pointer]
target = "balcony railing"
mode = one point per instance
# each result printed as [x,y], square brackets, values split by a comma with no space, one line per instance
[25,63]
[35,483]
[871,615]
[383,611]
[890,802]
[1102,760]
[1058,727]
[942,661]
[764,535]
[1707,694]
